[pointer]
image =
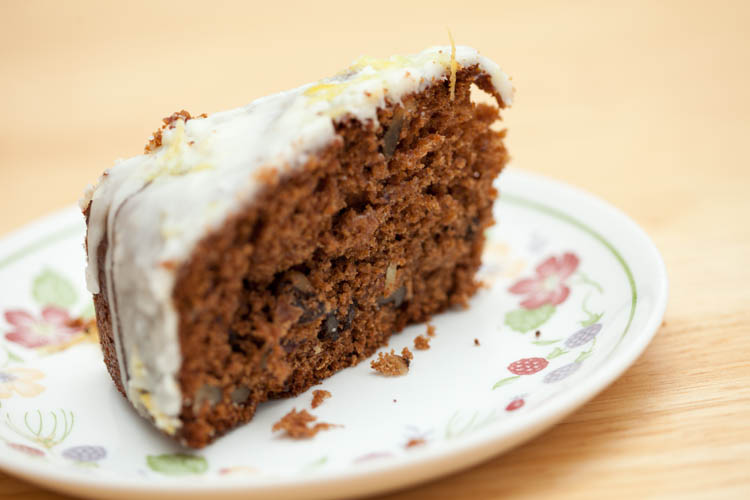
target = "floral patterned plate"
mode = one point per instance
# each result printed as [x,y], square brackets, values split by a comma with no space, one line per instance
[575,291]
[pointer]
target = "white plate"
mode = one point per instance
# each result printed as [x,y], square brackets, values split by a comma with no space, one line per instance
[63,425]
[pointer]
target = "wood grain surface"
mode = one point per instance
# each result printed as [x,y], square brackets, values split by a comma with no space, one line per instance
[646,104]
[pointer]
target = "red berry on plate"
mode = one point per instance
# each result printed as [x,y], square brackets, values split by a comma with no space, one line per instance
[515,404]
[527,366]
[34,452]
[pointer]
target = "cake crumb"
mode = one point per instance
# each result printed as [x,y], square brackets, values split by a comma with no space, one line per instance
[430,330]
[537,334]
[422,343]
[169,265]
[156,138]
[406,354]
[295,424]
[82,323]
[391,364]
[319,396]
[414,442]
[476,341]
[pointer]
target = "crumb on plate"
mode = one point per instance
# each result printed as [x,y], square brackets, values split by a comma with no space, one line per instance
[319,396]
[415,442]
[295,424]
[391,364]
[421,343]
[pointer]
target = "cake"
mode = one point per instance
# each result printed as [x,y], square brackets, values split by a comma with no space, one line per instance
[250,254]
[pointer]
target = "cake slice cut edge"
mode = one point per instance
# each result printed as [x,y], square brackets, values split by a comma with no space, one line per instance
[252,253]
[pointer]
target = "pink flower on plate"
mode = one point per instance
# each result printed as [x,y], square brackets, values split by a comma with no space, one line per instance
[548,286]
[53,328]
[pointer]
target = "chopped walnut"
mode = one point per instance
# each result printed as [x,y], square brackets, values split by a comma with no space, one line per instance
[392,136]
[295,424]
[391,364]
[422,343]
[319,396]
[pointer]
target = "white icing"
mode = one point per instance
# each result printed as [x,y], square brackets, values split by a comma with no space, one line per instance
[205,170]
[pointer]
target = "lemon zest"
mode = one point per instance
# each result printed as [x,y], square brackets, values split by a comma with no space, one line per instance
[454,66]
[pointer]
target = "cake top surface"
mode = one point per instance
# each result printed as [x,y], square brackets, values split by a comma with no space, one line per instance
[199,170]
[203,167]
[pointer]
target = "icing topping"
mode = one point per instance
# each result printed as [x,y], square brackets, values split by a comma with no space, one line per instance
[154,208]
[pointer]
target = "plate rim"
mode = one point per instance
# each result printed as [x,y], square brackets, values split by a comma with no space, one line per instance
[398,472]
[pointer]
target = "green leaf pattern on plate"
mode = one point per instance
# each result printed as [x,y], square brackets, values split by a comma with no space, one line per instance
[50,288]
[556,352]
[177,464]
[525,320]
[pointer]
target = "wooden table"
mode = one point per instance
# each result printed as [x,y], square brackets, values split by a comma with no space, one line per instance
[646,104]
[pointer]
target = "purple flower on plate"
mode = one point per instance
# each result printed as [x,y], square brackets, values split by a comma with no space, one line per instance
[562,373]
[583,336]
[373,456]
[85,453]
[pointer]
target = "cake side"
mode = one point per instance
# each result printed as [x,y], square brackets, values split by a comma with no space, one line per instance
[147,216]
[383,228]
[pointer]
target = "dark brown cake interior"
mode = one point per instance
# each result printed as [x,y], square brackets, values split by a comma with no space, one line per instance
[382,229]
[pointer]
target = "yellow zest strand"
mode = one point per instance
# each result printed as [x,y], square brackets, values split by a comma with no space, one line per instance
[454,66]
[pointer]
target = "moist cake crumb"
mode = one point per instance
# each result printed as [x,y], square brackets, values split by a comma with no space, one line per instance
[379,226]
[406,354]
[421,343]
[295,424]
[319,396]
[391,364]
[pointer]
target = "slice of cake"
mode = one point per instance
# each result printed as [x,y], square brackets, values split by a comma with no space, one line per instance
[251,253]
